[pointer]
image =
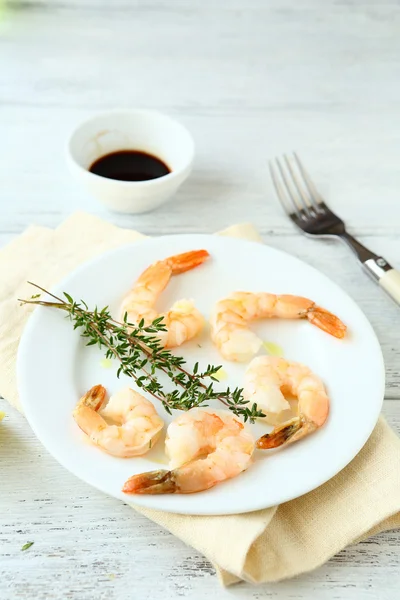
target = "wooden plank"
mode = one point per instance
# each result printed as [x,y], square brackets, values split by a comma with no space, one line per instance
[231,182]
[88,546]
[253,103]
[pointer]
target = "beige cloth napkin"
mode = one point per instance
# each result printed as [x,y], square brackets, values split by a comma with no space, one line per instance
[266,545]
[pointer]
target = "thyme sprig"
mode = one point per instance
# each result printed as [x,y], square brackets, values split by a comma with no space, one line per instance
[141,355]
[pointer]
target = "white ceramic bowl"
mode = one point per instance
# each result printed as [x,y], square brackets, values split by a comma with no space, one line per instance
[145,130]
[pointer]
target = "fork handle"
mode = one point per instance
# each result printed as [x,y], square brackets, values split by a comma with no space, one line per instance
[376,266]
[387,277]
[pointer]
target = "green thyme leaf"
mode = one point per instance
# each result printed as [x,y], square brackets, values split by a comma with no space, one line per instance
[27,545]
[141,356]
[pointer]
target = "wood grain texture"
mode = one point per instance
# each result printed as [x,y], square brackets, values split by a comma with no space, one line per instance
[251,79]
[88,546]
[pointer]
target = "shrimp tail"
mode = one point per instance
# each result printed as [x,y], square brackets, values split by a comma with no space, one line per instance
[186,261]
[326,321]
[85,412]
[288,432]
[280,435]
[152,482]
[93,399]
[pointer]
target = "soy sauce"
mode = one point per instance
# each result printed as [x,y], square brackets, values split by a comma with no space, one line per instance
[129,165]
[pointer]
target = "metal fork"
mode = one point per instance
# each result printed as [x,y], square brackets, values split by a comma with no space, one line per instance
[307,209]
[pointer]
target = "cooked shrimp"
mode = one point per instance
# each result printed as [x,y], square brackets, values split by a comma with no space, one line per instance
[262,385]
[134,425]
[183,321]
[205,447]
[229,321]
[269,380]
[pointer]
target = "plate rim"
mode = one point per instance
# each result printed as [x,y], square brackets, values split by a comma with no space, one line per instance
[139,500]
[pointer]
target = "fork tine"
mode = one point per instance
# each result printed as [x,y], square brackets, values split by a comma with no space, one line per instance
[292,196]
[314,195]
[278,188]
[303,196]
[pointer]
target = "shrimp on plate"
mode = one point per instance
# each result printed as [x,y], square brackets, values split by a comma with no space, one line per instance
[127,426]
[205,447]
[183,321]
[230,317]
[269,380]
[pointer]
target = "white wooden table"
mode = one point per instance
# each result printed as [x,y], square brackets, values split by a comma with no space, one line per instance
[250,79]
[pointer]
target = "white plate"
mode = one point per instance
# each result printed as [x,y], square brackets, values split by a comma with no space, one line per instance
[55,369]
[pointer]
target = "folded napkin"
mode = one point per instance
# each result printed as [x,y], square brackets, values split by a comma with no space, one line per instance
[266,545]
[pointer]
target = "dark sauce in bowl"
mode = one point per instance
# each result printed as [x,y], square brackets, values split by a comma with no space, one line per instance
[129,165]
